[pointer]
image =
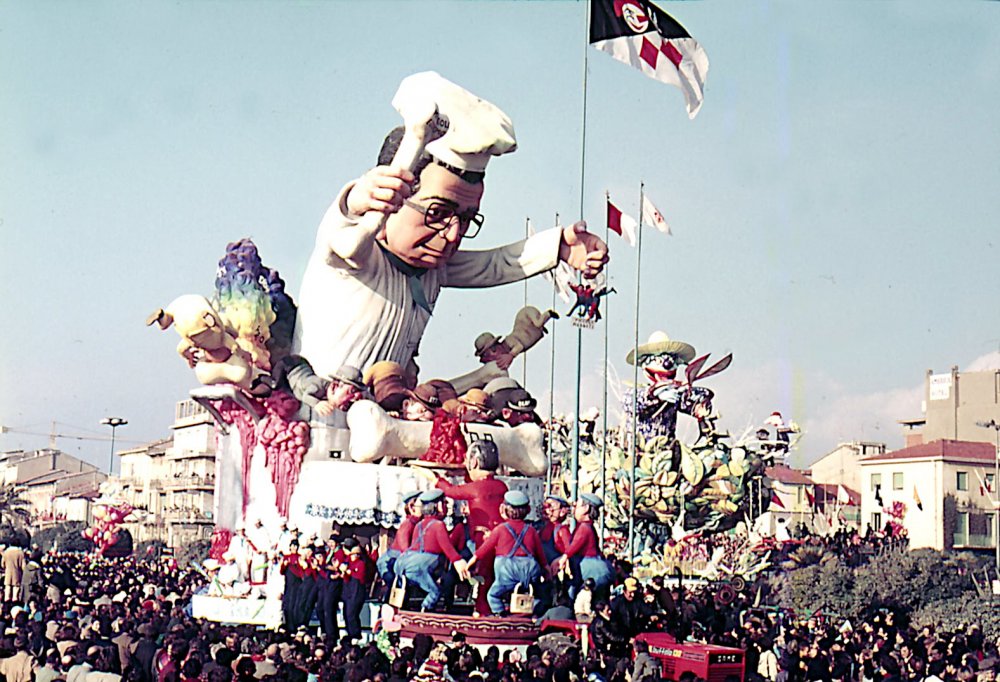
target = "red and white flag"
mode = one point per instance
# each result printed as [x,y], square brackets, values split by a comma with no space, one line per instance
[843,497]
[622,224]
[642,35]
[651,216]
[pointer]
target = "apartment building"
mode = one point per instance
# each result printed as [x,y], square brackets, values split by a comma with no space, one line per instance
[945,489]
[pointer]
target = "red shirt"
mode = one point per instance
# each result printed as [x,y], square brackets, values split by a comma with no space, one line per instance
[436,540]
[484,498]
[403,535]
[298,570]
[457,535]
[559,532]
[357,569]
[584,541]
[501,541]
[331,565]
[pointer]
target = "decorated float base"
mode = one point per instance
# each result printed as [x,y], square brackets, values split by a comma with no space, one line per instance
[238,610]
[478,630]
[331,489]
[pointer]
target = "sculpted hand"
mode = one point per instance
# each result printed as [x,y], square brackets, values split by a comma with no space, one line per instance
[381,189]
[583,250]
[324,408]
[462,568]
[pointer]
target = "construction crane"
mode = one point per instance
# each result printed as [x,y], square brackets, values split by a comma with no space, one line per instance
[53,435]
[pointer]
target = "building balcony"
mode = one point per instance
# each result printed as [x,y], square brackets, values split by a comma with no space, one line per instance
[137,483]
[188,516]
[969,541]
[173,454]
[190,482]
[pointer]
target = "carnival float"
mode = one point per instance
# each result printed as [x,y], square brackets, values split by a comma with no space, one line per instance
[324,421]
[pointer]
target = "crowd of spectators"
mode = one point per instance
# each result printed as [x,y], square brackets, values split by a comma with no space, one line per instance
[83,618]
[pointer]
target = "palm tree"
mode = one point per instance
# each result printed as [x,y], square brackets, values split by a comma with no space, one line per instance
[15,510]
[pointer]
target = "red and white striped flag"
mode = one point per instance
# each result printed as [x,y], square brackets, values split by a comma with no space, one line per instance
[651,216]
[622,224]
[642,35]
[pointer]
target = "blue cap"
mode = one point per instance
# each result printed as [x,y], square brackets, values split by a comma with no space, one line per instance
[561,500]
[592,500]
[515,498]
[431,496]
[410,496]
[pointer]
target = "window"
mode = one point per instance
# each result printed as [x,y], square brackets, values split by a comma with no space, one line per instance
[989,483]
[876,481]
[961,536]
[990,529]
[962,480]
[897,480]
[876,523]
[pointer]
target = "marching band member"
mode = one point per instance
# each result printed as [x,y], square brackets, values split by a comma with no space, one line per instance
[330,580]
[356,581]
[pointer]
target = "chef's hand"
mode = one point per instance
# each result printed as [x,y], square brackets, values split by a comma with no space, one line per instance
[381,189]
[583,250]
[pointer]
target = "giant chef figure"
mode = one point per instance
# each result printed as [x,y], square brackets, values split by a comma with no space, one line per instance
[390,241]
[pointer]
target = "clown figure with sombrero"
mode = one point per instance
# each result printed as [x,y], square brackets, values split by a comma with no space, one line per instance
[670,391]
[660,360]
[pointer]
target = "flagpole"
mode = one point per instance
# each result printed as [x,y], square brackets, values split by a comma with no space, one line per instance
[635,383]
[579,279]
[604,408]
[524,356]
[552,395]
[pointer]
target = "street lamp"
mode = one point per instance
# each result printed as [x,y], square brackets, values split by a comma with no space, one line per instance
[114,423]
[992,424]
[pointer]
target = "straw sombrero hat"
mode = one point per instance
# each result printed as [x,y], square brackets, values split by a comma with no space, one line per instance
[660,344]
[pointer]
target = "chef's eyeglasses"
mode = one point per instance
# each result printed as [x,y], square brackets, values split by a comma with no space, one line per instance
[438,216]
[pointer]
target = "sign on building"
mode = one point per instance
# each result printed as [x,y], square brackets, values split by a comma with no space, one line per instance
[940,387]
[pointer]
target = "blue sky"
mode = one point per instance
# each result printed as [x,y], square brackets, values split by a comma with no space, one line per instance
[834,203]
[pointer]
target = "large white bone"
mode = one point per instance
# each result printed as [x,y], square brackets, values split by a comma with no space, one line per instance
[478,378]
[375,435]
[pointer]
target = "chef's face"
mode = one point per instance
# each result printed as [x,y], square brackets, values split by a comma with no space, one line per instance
[407,235]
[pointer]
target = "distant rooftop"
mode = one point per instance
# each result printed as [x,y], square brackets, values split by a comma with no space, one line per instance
[947,450]
[786,474]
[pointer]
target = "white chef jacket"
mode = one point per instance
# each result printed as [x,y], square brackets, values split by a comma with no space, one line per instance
[356,309]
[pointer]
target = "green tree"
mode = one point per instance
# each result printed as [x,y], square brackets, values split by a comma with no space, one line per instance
[908,582]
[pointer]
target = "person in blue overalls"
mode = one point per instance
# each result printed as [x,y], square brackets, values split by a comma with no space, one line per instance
[430,555]
[553,532]
[517,548]
[411,515]
[583,555]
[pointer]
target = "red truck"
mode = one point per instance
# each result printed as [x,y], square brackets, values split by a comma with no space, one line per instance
[707,661]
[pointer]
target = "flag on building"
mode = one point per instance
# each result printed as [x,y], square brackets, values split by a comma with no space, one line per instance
[811,497]
[651,216]
[916,499]
[622,224]
[843,497]
[776,499]
[642,35]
